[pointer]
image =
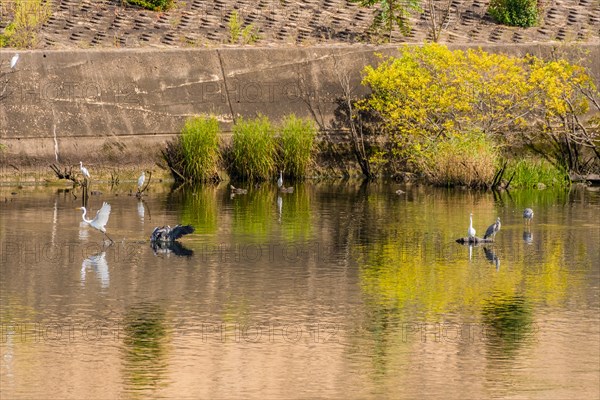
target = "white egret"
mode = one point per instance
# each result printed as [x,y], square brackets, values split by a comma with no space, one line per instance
[280,180]
[492,229]
[471,230]
[100,220]
[528,214]
[141,180]
[167,234]
[84,170]
[13,61]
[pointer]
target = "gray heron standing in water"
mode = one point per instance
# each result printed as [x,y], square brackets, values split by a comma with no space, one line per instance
[528,214]
[100,220]
[493,229]
[471,230]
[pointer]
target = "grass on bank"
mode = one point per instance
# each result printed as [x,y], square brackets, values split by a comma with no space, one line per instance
[254,149]
[528,173]
[297,140]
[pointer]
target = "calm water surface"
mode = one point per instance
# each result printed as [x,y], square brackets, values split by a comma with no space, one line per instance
[336,290]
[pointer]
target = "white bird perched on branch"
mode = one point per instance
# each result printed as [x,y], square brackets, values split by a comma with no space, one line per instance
[84,170]
[100,220]
[141,180]
[471,230]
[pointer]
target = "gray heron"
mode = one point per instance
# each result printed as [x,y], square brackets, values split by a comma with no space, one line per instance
[492,229]
[528,214]
[166,234]
[471,230]
[100,220]
[13,61]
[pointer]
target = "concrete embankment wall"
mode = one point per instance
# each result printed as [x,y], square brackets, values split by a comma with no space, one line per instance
[121,105]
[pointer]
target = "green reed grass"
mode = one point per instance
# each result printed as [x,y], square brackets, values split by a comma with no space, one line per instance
[200,149]
[297,145]
[254,150]
[528,172]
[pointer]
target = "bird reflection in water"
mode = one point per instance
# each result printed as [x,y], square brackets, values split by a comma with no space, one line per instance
[492,257]
[279,207]
[528,237]
[166,248]
[98,263]
[141,211]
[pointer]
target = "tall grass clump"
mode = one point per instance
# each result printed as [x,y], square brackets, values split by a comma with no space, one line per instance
[254,150]
[200,147]
[461,159]
[528,173]
[296,145]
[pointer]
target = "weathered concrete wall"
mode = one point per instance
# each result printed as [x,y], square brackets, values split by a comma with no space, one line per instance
[122,105]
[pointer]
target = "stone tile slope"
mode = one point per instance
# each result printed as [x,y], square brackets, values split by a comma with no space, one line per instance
[200,23]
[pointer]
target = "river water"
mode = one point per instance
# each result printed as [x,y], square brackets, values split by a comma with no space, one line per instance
[338,290]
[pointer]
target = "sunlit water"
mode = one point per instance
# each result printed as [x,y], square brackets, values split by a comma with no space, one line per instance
[336,290]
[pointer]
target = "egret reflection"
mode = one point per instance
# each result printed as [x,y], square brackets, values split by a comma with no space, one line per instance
[99,265]
[279,207]
[141,211]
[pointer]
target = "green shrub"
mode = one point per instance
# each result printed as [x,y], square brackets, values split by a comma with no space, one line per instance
[297,143]
[254,149]
[27,18]
[527,173]
[522,13]
[200,149]
[461,159]
[155,5]
[249,34]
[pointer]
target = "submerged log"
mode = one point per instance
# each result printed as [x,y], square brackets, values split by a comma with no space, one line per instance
[474,240]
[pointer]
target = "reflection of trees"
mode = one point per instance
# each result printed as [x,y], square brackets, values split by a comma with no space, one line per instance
[507,323]
[198,207]
[144,351]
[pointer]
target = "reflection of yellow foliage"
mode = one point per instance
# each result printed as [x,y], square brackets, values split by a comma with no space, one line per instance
[550,281]
[409,278]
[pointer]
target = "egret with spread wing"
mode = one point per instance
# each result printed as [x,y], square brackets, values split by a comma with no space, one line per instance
[100,220]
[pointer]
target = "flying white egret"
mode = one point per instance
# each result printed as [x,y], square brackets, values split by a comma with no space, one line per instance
[528,214]
[471,230]
[13,61]
[492,229]
[141,180]
[84,170]
[100,220]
